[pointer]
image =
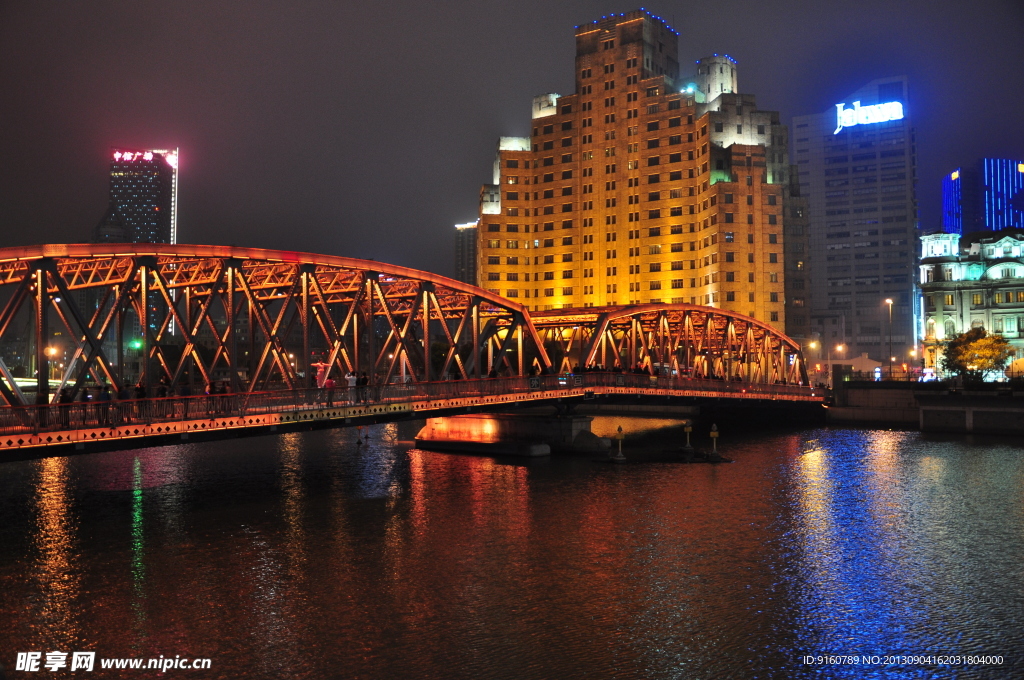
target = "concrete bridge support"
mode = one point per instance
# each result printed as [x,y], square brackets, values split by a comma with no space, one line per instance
[512,434]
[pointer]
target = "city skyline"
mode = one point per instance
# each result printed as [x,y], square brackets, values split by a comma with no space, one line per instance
[295,139]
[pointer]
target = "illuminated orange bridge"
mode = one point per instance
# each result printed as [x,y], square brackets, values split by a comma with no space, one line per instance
[138,343]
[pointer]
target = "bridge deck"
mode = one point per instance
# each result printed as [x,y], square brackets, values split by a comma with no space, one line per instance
[40,430]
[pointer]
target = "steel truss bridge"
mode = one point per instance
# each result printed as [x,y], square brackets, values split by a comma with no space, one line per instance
[158,323]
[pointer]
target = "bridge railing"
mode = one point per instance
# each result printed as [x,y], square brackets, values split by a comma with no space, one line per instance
[80,415]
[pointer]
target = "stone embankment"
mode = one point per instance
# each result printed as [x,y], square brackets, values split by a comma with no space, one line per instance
[930,407]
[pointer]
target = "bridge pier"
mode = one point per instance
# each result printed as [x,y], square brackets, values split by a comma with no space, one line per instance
[511,434]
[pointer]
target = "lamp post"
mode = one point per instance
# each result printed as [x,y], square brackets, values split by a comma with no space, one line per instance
[813,344]
[839,348]
[50,353]
[888,301]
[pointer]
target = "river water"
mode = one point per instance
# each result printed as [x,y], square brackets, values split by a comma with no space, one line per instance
[315,555]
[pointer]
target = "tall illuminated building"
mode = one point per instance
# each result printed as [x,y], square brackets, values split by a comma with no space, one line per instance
[986,197]
[143,197]
[857,169]
[465,252]
[641,186]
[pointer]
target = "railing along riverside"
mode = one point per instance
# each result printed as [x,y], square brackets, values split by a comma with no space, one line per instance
[77,415]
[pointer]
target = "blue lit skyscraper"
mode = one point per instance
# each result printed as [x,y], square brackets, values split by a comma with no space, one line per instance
[987,197]
[857,168]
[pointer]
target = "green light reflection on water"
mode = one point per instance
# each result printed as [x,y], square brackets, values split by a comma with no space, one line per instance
[138,546]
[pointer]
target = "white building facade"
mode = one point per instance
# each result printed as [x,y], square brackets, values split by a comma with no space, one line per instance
[974,281]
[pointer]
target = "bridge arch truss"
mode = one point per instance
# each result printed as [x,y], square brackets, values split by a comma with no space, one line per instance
[254,318]
[685,340]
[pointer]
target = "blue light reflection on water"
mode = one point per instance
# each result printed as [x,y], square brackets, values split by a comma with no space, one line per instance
[907,547]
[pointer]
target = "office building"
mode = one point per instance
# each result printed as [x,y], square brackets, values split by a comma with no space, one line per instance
[640,187]
[143,197]
[857,170]
[972,281]
[988,196]
[465,252]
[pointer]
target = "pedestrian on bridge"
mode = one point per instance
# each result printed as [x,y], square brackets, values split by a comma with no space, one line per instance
[351,379]
[103,400]
[329,388]
[64,407]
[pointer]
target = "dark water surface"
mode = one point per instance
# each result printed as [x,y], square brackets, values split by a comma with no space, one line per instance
[309,556]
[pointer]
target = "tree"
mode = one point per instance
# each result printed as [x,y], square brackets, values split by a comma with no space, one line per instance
[972,354]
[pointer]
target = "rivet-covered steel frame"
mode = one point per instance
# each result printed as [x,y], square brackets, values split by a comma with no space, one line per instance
[263,317]
[685,340]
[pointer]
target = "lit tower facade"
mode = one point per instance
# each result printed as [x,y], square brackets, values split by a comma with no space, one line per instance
[987,197]
[641,186]
[857,169]
[465,253]
[144,196]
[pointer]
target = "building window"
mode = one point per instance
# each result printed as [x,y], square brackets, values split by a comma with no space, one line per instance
[774,316]
[976,299]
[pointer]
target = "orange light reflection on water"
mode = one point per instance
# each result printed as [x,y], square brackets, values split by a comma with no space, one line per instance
[56,565]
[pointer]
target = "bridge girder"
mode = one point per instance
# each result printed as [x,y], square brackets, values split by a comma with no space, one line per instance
[701,342]
[259,316]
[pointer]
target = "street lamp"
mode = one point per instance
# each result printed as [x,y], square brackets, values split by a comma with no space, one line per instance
[839,350]
[50,353]
[813,344]
[888,301]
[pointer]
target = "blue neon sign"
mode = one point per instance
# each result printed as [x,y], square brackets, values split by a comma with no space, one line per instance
[864,115]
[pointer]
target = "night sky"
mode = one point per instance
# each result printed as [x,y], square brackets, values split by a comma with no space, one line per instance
[366,130]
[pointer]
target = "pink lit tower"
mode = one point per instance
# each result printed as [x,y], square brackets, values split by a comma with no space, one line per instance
[143,197]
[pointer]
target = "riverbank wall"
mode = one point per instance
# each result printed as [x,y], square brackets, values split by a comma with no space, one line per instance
[930,407]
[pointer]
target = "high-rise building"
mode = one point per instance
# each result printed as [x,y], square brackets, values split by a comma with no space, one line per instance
[986,197]
[641,186]
[857,169]
[465,252]
[143,197]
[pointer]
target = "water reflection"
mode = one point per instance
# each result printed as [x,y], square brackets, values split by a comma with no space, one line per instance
[881,533]
[138,547]
[316,555]
[56,570]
